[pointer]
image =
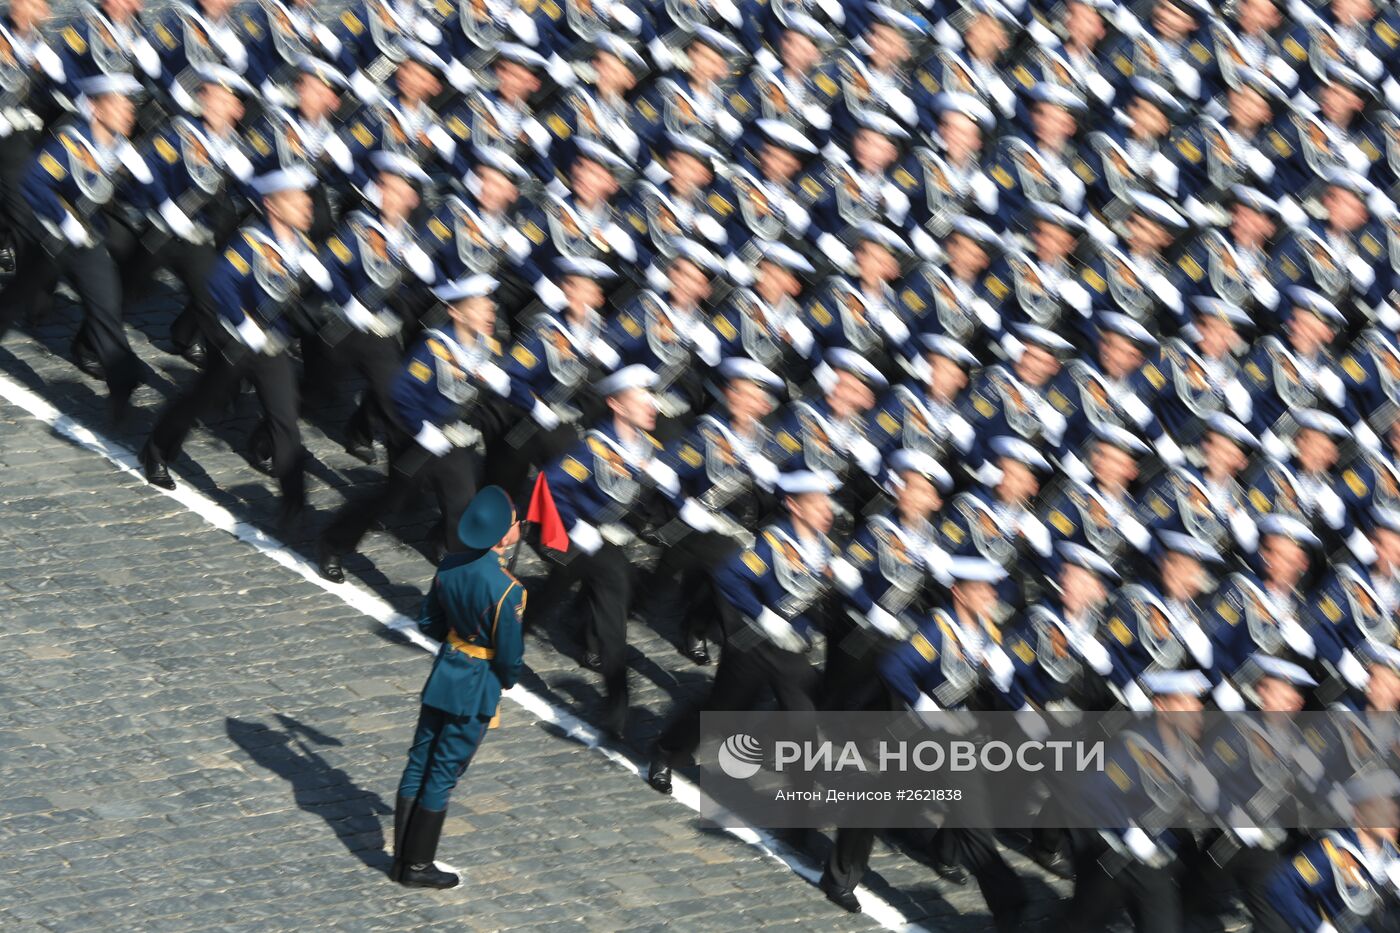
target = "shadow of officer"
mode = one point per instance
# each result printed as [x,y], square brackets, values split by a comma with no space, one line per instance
[473,608]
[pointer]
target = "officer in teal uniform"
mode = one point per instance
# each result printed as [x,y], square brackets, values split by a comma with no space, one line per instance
[474,609]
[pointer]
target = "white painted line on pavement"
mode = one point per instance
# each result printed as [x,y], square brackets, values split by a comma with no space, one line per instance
[368,603]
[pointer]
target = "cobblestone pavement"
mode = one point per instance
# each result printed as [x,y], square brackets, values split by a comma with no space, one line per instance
[192,736]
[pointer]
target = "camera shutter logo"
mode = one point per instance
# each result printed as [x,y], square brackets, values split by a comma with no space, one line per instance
[741,756]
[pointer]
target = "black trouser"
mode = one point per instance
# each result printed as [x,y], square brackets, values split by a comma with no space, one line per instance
[16,156]
[749,665]
[452,477]
[93,273]
[522,445]
[606,575]
[376,359]
[1246,871]
[1149,894]
[190,263]
[274,378]
[694,558]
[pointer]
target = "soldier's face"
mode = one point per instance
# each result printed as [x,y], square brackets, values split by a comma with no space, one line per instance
[777,163]
[1119,355]
[1218,336]
[1147,235]
[1148,118]
[292,208]
[798,52]
[1084,24]
[1081,589]
[1258,15]
[121,9]
[1317,452]
[475,315]
[114,112]
[1307,332]
[812,509]
[1387,545]
[850,395]
[415,82]
[1339,103]
[748,401]
[1345,209]
[315,98]
[946,377]
[1381,815]
[1053,124]
[514,82]
[966,256]
[635,407]
[975,596]
[706,64]
[1037,365]
[874,152]
[1278,696]
[592,182]
[1223,456]
[1018,481]
[1052,243]
[1182,576]
[216,9]
[986,37]
[397,196]
[220,108]
[581,292]
[498,190]
[689,283]
[1251,227]
[917,498]
[1171,22]
[876,263]
[782,279]
[961,134]
[1186,709]
[1285,561]
[888,47]
[1353,12]
[688,172]
[614,77]
[30,14]
[1249,107]
[1112,466]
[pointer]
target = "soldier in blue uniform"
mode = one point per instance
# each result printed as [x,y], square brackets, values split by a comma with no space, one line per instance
[433,423]
[1209,503]
[374,260]
[1148,279]
[955,295]
[605,491]
[764,320]
[862,313]
[76,234]
[280,33]
[684,199]
[1047,164]
[588,220]
[727,474]
[189,35]
[603,114]
[924,415]
[198,193]
[951,173]
[777,190]
[1017,401]
[696,101]
[259,290]
[1097,508]
[106,38]
[474,608]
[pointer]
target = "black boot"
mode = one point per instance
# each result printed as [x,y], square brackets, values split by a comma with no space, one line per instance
[841,896]
[328,563]
[424,831]
[659,771]
[153,465]
[403,812]
[86,359]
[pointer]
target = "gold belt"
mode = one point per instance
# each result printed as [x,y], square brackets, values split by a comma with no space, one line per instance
[466,647]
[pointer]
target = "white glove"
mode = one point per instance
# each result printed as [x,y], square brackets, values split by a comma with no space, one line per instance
[431,439]
[363,87]
[710,229]
[1204,787]
[1135,408]
[335,149]
[779,631]
[1142,847]
[177,220]
[728,126]
[764,472]
[146,57]
[1196,642]
[799,335]
[999,666]
[1353,672]
[494,378]
[1095,655]
[460,76]
[817,117]
[604,353]
[1259,164]
[1036,534]
[544,416]
[1228,698]
[664,477]
[847,577]
[73,231]
[1136,698]
[866,455]
[444,144]
[888,625]
[252,335]
[1297,638]
[358,315]
[697,516]
[1031,723]
[585,537]
[926,704]
[1134,533]
[552,295]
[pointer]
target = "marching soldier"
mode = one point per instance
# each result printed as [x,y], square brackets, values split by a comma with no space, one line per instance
[764,321]
[924,416]
[603,491]
[727,475]
[261,290]
[432,423]
[107,38]
[79,235]
[474,609]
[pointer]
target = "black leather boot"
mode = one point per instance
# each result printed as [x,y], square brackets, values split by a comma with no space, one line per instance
[153,465]
[424,831]
[403,812]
